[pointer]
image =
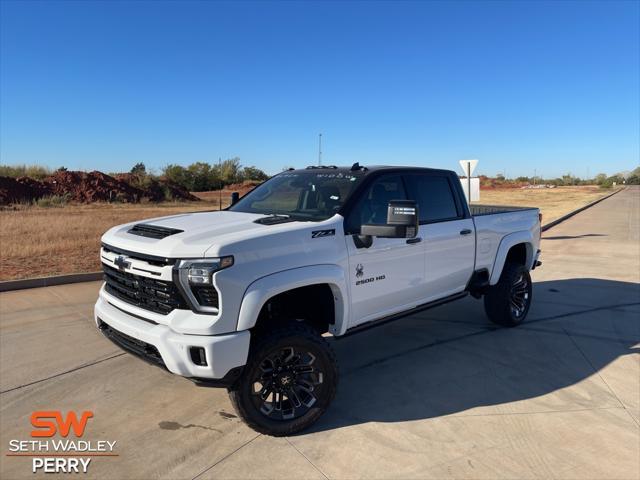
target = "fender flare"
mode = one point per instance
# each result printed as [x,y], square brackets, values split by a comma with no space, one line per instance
[261,290]
[506,243]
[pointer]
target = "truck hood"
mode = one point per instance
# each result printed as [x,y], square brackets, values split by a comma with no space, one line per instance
[200,232]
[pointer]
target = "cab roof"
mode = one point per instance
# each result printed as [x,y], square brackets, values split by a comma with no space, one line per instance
[356,167]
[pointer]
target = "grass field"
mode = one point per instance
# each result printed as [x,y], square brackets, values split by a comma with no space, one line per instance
[552,202]
[36,242]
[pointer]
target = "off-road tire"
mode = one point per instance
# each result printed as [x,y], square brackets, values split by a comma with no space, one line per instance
[498,300]
[264,346]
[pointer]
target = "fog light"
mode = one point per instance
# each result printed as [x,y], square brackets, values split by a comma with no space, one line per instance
[198,356]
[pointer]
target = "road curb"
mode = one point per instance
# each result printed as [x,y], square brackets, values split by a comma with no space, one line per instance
[571,214]
[94,276]
[49,281]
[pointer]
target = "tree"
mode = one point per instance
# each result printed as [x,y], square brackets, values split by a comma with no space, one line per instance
[600,178]
[633,179]
[254,173]
[178,174]
[203,176]
[139,169]
[230,170]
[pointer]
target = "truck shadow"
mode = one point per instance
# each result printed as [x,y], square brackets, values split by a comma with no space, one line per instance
[452,360]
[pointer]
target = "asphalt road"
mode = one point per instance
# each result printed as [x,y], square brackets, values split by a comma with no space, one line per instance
[440,394]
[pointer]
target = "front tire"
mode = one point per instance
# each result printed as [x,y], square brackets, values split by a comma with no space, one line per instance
[507,302]
[289,381]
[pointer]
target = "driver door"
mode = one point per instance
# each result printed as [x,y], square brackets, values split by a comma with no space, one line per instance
[388,277]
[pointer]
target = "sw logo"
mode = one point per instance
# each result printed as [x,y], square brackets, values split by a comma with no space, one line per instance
[48,428]
[60,455]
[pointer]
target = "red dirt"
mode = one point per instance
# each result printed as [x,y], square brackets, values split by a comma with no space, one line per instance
[88,187]
[92,187]
[22,189]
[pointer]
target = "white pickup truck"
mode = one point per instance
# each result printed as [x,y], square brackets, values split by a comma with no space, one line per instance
[245,298]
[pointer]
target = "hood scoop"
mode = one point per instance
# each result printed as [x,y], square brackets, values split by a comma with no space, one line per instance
[274,219]
[152,231]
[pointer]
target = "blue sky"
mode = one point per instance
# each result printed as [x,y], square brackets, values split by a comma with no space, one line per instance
[102,85]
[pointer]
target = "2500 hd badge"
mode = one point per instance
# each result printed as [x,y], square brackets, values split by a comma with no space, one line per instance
[360,273]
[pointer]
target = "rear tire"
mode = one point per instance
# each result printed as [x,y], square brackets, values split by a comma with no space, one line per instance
[289,380]
[507,302]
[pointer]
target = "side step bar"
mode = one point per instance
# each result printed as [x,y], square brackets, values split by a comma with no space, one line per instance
[396,316]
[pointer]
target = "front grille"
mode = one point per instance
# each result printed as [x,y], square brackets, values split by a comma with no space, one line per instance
[152,231]
[144,350]
[150,259]
[155,295]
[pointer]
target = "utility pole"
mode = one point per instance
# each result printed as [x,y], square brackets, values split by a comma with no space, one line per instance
[220,173]
[535,174]
[320,149]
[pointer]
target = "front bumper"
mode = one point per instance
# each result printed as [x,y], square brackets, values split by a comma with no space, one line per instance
[161,345]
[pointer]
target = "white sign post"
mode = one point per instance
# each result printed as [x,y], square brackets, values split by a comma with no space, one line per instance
[468,166]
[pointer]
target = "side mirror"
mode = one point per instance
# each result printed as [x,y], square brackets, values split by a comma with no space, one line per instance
[235,196]
[402,221]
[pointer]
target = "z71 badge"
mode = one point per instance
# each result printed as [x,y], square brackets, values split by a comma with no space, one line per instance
[323,233]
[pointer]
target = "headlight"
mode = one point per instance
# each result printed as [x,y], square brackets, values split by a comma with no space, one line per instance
[195,277]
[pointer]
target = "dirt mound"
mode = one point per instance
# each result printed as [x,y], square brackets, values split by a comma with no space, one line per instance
[243,187]
[87,187]
[156,190]
[16,190]
[37,188]
[92,187]
[177,192]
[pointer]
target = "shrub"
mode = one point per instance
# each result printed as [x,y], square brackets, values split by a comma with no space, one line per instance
[34,171]
[54,201]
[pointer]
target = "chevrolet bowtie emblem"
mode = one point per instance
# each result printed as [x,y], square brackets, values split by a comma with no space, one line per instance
[121,263]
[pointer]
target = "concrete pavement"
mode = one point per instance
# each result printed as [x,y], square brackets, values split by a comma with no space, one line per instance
[440,394]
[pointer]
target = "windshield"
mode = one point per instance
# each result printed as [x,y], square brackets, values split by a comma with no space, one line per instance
[314,195]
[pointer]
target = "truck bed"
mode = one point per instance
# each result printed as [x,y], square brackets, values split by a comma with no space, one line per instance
[477,210]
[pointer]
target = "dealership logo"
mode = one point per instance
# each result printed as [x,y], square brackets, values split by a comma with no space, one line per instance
[48,428]
[60,455]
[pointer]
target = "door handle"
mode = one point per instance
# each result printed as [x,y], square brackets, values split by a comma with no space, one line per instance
[466,231]
[414,240]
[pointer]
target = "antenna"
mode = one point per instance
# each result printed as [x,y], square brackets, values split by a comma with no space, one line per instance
[319,149]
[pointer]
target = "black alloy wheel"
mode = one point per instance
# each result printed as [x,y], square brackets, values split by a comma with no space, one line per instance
[289,380]
[284,387]
[520,295]
[507,302]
